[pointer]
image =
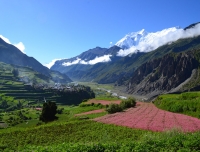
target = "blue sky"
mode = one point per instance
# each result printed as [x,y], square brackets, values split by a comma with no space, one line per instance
[54,29]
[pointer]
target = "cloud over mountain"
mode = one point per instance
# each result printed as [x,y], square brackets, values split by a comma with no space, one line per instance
[105,58]
[145,42]
[19,45]
[49,65]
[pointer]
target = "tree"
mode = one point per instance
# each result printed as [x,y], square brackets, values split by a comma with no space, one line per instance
[49,111]
[15,72]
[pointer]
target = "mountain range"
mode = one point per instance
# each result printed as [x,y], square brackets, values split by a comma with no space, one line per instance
[144,63]
[119,63]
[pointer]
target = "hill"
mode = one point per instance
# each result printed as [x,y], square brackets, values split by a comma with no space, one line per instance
[15,94]
[11,55]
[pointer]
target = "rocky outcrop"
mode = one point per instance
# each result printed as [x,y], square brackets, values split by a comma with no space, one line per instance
[162,75]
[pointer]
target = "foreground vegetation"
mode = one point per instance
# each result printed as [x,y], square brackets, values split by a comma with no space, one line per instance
[76,133]
[186,103]
[86,135]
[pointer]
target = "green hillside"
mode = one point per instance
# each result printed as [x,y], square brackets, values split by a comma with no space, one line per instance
[15,94]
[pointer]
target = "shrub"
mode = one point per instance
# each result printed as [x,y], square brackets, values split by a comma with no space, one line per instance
[83,105]
[113,108]
[128,103]
[60,110]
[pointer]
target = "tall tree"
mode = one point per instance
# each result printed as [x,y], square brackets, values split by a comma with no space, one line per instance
[49,111]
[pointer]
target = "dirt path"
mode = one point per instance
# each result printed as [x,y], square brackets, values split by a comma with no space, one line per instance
[147,116]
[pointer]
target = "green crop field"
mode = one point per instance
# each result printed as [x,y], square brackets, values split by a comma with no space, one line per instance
[80,133]
[187,103]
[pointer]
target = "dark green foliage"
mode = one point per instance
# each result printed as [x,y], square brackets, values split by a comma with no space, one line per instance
[187,103]
[20,114]
[128,103]
[113,108]
[60,110]
[49,111]
[91,104]
[15,72]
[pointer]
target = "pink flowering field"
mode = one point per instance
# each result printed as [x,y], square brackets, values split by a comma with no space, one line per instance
[149,117]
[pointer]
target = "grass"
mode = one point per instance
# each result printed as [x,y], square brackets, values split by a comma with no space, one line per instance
[86,135]
[85,131]
[186,103]
[70,133]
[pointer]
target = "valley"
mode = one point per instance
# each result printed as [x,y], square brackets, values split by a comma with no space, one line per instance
[146,100]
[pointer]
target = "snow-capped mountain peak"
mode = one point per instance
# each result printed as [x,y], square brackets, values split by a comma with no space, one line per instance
[145,42]
[131,39]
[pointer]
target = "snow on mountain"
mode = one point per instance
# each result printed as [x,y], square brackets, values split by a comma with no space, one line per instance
[131,39]
[144,42]
[141,41]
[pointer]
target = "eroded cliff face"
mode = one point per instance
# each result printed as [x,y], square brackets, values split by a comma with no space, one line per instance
[162,75]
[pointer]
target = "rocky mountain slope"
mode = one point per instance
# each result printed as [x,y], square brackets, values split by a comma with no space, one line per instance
[167,74]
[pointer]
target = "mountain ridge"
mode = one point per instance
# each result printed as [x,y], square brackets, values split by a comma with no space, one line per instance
[165,74]
[10,54]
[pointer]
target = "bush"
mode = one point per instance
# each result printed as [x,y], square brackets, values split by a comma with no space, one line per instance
[128,103]
[83,105]
[60,110]
[113,108]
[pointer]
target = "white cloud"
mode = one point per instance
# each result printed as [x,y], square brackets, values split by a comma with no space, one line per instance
[19,45]
[49,65]
[105,58]
[71,63]
[154,40]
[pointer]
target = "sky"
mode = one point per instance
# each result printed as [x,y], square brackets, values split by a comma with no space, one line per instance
[60,29]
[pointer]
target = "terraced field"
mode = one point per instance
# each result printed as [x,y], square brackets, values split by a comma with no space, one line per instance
[9,86]
[17,94]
